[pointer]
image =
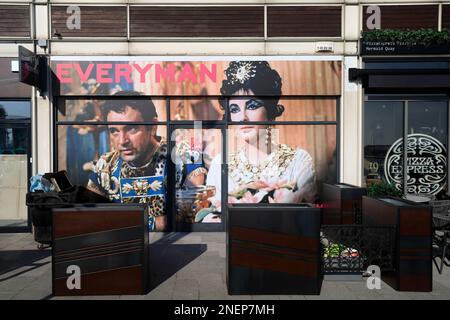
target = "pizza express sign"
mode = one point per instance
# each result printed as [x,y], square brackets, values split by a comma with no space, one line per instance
[426,164]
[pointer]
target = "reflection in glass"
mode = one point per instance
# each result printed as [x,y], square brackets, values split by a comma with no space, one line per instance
[13,140]
[427,147]
[15,110]
[383,125]
[428,117]
[13,175]
[197,199]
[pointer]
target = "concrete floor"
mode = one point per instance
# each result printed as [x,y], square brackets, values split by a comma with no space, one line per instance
[187,266]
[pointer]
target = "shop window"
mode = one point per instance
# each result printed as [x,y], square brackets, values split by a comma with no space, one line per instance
[95,110]
[383,125]
[294,159]
[197,199]
[13,140]
[286,109]
[195,109]
[427,139]
[293,109]
[80,146]
[426,161]
[290,107]
[15,110]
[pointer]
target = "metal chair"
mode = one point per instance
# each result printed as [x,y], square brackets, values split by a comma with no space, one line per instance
[441,231]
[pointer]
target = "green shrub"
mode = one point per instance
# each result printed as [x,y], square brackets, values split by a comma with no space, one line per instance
[425,37]
[383,189]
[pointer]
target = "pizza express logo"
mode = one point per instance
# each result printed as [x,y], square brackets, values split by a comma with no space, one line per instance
[426,164]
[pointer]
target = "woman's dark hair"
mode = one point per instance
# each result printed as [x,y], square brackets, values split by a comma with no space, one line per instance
[255,76]
[144,106]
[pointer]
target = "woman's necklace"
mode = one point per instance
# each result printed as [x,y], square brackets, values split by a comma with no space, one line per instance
[276,163]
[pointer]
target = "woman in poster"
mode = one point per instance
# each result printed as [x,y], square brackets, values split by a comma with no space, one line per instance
[261,169]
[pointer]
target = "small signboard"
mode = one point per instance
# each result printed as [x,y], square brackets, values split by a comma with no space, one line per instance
[32,68]
[397,47]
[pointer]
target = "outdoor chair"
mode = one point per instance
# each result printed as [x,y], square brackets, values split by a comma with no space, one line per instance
[441,231]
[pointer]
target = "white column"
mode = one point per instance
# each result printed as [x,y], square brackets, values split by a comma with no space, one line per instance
[351,127]
[43,135]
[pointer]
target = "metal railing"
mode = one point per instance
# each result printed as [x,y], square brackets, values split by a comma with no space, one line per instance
[350,249]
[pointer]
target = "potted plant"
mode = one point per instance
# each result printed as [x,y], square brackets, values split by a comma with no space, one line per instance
[383,189]
[384,206]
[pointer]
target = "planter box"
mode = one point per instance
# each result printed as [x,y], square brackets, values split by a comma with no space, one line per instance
[413,240]
[273,249]
[342,203]
[109,244]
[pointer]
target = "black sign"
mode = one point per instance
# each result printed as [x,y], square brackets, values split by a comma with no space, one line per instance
[32,69]
[398,47]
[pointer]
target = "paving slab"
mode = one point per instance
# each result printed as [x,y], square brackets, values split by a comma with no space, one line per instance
[194,268]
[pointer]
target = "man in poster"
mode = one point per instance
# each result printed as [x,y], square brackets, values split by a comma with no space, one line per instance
[134,171]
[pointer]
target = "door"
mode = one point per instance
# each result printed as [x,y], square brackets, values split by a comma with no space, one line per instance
[427,147]
[196,178]
[14,174]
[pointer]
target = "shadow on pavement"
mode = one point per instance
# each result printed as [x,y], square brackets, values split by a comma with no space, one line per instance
[167,258]
[23,259]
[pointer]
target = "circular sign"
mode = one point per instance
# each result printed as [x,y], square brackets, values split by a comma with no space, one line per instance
[426,164]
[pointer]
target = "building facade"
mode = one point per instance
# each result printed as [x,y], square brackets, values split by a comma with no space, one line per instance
[335,65]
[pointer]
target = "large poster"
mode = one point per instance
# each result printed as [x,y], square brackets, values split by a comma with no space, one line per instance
[187,78]
[279,118]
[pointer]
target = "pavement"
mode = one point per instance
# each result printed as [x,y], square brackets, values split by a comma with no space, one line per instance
[185,266]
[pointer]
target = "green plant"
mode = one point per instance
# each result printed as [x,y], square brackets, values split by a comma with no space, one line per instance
[425,37]
[382,189]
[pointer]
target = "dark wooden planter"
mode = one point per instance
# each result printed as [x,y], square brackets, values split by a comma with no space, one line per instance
[273,249]
[342,203]
[109,243]
[413,247]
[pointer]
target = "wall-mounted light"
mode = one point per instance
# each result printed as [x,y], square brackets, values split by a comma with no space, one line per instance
[42,43]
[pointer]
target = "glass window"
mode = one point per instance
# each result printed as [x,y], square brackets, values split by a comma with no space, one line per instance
[15,110]
[13,174]
[383,125]
[92,110]
[198,175]
[427,147]
[427,136]
[13,140]
[195,109]
[81,146]
[285,109]
[283,163]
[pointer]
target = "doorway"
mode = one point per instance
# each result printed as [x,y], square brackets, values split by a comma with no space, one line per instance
[196,177]
[15,168]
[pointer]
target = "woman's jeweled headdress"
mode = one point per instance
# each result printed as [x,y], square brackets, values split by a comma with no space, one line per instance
[241,71]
